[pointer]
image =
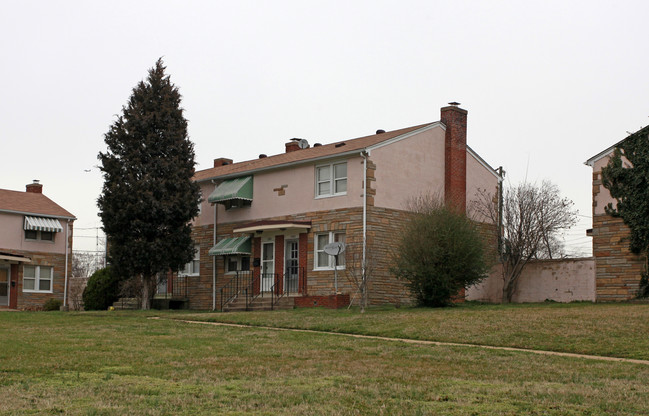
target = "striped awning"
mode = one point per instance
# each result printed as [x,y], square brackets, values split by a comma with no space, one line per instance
[235,245]
[239,188]
[43,224]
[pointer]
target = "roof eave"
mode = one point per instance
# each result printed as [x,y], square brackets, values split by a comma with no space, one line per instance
[327,157]
[483,162]
[38,214]
[280,166]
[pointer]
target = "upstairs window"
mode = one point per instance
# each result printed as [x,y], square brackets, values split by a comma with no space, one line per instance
[41,228]
[39,235]
[331,179]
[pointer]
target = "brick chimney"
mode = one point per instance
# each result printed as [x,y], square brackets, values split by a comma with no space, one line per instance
[35,187]
[292,146]
[222,161]
[454,118]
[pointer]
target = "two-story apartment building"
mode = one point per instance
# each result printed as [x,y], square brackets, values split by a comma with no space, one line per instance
[35,248]
[270,219]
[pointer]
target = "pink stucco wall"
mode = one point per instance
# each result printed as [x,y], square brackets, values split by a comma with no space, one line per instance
[478,178]
[406,169]
[601,196]
[563,280]
[13,236]
[299,194]
[409,168]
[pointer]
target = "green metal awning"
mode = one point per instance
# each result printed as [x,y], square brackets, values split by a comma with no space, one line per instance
[43,224]
[239,188]
[235,245]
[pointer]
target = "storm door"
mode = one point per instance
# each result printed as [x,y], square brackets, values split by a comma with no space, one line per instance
[291,279]
[267,266]
[4,286]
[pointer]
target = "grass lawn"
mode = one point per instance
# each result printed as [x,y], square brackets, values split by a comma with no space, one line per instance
[116,363]
[615,330]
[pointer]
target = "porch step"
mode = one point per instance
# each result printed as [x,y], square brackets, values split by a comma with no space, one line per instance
[127,303]
[259,304]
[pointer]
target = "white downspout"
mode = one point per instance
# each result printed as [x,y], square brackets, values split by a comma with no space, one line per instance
[364,156]
[216,208]
[67,247]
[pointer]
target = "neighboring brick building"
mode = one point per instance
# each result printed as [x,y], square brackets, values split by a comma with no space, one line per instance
[35,248]
[274,215]
[617,269]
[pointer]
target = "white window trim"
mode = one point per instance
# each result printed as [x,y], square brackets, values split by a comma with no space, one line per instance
[197,257]
[39,238]
[317,249]
[37,278]
[238,258]
[332,180]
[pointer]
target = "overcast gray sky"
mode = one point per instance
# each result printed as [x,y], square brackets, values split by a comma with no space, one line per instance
[547,84]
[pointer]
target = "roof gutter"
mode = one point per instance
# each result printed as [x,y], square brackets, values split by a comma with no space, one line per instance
[364,155]
[67,249]
[366,150]
[281,166]
[37,214]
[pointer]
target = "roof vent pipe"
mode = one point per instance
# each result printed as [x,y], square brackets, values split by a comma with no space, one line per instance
[261,156]
[380,131]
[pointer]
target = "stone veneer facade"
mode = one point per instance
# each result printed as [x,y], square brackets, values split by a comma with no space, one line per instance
[33,300]
[382,227]
[617,269]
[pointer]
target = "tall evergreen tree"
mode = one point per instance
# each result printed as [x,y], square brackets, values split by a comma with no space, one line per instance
[148,198]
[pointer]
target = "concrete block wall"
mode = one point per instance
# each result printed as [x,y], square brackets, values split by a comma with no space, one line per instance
[563,280]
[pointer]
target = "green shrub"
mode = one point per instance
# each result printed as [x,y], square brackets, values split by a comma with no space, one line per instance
[440,252]
[102,290]
[52,305]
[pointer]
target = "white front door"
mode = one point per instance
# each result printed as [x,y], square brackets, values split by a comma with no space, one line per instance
[267,266]
[4,286]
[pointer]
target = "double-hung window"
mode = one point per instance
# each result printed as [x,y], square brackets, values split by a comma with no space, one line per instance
[37,279]
[321,259]
[193,267]
[331,179]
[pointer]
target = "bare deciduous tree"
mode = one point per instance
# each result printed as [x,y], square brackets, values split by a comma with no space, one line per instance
[359,269]
[533,217]
[83,264]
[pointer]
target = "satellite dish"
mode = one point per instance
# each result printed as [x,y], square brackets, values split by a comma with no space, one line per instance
[303,144]
[334,249]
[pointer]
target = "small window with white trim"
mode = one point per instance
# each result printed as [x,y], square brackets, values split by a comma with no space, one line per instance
[331,180]
[322,260]
[39,235]
[237,263]
[37,279]
[193,267]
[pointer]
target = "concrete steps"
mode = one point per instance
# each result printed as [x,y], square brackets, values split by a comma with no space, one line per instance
[127,304]
[259,304]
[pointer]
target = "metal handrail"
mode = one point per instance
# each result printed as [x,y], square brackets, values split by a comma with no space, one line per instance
[231,290]
[250,290]
[289,285]
[175,286]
